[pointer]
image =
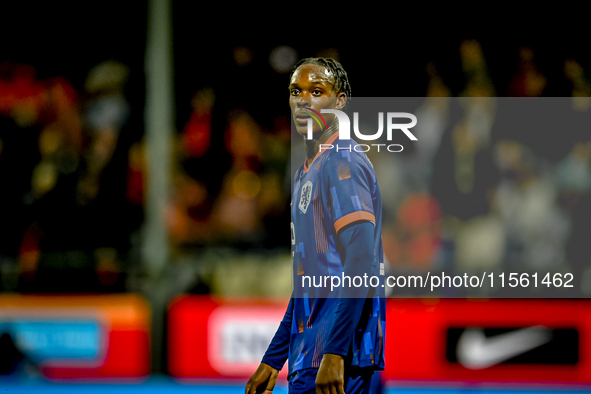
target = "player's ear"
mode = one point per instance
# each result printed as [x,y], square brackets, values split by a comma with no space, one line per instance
[341,101]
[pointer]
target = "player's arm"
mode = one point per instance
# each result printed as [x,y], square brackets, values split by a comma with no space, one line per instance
[274,358]
[262,381]
[358,241]
[349,187]
[278,349]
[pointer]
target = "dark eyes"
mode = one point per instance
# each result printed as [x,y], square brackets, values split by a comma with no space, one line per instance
[315,92]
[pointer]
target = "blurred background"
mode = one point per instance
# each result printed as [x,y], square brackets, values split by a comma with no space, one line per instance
[145,184]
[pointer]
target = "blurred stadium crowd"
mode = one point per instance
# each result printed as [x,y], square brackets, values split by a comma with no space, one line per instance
[74,180]
[468,196]
[70,180]
[493,184]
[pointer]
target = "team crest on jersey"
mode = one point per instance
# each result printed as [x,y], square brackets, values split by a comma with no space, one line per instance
[305,197]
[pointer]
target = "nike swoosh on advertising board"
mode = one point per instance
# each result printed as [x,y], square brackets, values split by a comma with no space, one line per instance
[477,351]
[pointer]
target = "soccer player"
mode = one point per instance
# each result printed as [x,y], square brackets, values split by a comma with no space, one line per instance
[334,344]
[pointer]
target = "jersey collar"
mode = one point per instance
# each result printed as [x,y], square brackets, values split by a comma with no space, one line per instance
[320,152]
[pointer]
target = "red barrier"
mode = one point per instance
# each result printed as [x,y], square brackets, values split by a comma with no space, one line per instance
[210,338]
[418,332]
[103,336]
[441,340]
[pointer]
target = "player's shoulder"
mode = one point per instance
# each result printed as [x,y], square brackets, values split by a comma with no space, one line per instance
[347,152]
[298,172]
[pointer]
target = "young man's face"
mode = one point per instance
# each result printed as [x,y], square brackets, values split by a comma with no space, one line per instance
[312,86]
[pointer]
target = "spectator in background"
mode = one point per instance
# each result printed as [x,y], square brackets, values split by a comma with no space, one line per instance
[237,211]
[79,186]
[529,81]
[574,187]
[194,190]
[581,88]
[412,233]
[464,160]
[105,114]
[196,137]
[22,99]
[209,208]
[102,185]
[525,199]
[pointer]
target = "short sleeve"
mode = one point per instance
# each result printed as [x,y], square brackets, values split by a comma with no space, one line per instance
[350,184]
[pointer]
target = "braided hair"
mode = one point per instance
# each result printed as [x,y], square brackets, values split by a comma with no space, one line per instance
[341,84]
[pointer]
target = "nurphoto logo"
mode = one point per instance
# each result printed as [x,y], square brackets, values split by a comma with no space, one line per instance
[345,129]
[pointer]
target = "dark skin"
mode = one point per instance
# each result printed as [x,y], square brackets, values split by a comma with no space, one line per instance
[311,86]
[262,381]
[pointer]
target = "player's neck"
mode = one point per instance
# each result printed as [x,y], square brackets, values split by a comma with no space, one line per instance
[313,146]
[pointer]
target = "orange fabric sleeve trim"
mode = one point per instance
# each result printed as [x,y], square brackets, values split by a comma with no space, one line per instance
[353,217]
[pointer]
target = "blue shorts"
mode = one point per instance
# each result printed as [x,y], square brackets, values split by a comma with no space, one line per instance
[357,381]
